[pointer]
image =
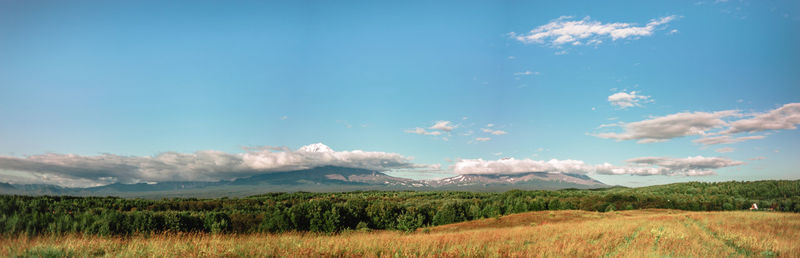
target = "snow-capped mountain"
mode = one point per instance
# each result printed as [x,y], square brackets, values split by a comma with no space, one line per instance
[316,147]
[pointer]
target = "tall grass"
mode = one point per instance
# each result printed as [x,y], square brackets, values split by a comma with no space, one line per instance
[548,233]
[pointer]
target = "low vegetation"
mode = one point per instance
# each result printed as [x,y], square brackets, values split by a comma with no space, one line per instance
[338,212]
[639,233]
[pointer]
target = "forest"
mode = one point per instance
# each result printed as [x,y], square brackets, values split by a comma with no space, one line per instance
[364,210]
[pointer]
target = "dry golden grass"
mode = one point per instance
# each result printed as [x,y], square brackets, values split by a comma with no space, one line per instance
[641,233]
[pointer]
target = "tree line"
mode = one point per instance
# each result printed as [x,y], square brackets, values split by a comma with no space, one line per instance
[364,210]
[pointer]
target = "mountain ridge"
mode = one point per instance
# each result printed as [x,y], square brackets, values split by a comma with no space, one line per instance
[318,179]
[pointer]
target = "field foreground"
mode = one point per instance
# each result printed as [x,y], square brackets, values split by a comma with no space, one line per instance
[543,233]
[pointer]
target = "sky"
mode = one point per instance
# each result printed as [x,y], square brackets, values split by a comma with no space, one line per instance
[631,93]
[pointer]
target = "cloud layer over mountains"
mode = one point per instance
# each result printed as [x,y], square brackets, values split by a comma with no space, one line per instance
[645,166]
[78,170]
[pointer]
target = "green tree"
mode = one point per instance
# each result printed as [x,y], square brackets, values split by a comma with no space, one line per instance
[409,221]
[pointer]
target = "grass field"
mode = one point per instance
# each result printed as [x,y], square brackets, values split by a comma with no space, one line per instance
[637,233]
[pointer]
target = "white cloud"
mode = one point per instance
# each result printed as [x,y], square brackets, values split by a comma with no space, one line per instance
[494,132]
[626,100]
[443,125]
[671,126]
[564,30]
[726,139]
[725,150]
[483,139]
[422,131]
[691,166]
[79,170]
[516,166]
[785,117]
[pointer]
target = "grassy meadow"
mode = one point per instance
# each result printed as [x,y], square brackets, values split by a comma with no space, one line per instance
[653,232]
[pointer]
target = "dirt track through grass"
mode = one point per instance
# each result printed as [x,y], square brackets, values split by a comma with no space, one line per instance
[736,249]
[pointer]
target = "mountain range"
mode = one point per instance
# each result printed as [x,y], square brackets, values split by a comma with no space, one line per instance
[320,179]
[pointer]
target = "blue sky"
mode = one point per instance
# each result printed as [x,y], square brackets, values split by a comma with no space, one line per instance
[140,78]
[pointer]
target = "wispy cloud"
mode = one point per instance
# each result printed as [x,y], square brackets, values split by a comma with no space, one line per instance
[726,139]
[567,31]
[526,73]
[494,132]
[725,150]
[626,100]
[482,139]
[422,131]
[345,123]
[436,129]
